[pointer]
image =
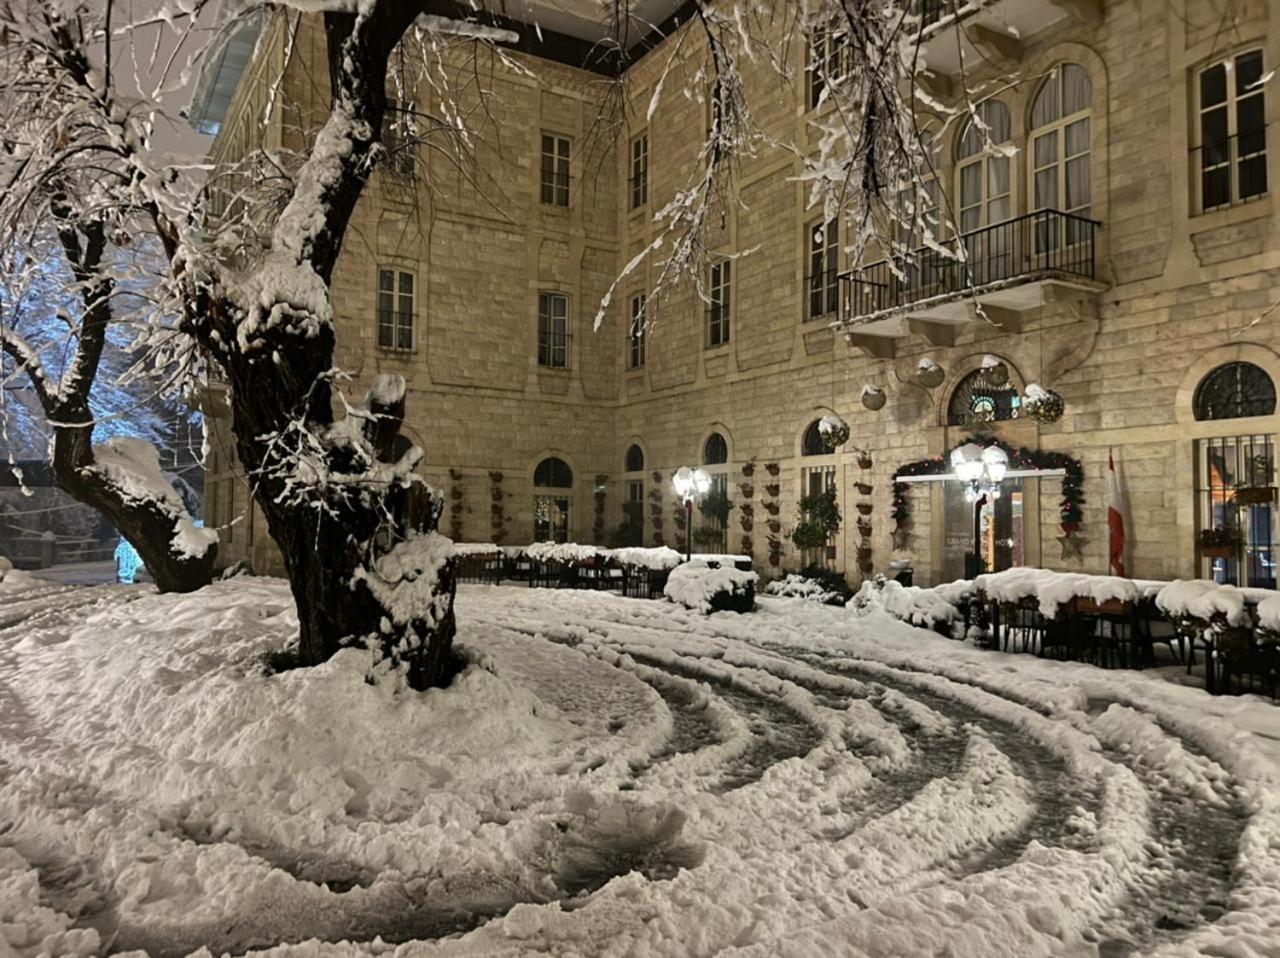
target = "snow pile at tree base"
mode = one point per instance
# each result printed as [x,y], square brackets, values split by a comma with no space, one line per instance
[698,586]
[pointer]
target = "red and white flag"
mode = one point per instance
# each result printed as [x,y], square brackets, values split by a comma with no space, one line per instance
[1115,517]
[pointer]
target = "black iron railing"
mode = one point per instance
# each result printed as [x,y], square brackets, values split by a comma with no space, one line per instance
[1041,244]
[1231,171]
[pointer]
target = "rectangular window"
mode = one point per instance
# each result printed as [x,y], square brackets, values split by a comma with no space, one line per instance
[553,330]
[1231,155]
[828,55]
[397,137]
[395,309]
[719,293]
[815,480]
[1230,469]
[636,333]
[823,283]
[555,170]
[633,509]
[551,518]
[640,171]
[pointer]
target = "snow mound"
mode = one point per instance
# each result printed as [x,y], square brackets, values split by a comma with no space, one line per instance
[1054,589]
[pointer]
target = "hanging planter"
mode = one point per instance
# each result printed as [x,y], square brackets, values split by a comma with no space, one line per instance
[864,508]
[748,491]
[864,460]
[929,374]
[864,527]
[864,566]
[1219,543]
[996,370]
[748,469]
[864,554]
[863,487]
[1043,405]
[835,431]
[873,397]
[772,468]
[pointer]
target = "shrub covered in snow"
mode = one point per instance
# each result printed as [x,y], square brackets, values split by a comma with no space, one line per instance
[926,608]
[814,585]
[11,579]
[698,586]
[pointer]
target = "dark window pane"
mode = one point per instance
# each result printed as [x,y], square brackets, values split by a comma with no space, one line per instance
[1213,86]
[1215,187]
[1253,177]
[1213,126]
[1234,390]
[1248,72]
[1250,114]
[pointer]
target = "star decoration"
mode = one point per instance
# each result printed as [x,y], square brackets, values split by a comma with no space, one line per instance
[1072,546]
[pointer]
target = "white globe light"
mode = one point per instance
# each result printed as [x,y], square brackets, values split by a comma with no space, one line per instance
[996,462]
[966,460]
[683,481]
[701,482]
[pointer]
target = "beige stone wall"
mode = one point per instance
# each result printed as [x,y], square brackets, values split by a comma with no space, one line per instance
[1183,292]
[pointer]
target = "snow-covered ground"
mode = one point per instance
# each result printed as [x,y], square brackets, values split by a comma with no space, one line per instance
[613,777]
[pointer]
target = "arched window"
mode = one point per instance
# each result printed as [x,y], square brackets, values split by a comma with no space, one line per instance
[1061,138]
[977,398]
[632,531]
[814,443]
[554,473]
[551,510]
[635,459]
[1233,391]
[715,451]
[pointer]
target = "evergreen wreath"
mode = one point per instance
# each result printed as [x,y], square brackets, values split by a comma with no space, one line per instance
[1070,508]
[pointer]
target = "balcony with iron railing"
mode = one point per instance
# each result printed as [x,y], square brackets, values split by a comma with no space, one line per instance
[1006,268]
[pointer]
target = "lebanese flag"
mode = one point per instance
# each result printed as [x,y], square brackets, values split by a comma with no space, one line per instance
[1115,517]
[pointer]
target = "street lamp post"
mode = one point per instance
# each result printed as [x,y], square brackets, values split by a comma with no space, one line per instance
[982,470]
[690,484]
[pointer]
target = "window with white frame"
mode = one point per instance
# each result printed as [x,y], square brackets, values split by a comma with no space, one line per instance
[719,293]
[555,170]
[398,137]
[917,221]
[824,257]
[395,308]
[1231,132]
[553,330]
[983,173]
[1061,153]
[640,171]
[828,57]
[636,333]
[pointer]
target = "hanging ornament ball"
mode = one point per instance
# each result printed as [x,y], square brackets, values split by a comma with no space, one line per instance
[1042,405]
[996,370]
[873,397]
[835,431]
[929,374]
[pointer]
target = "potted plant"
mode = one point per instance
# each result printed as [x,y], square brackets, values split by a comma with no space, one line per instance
[773,490]
[865,488]
[864,460]
[749,469]
[864,527]
[819,521]
[748,491]
[864,508]
[772,468]
[1219,543]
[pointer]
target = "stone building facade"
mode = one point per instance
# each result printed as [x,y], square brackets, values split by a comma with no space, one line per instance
[1144,297]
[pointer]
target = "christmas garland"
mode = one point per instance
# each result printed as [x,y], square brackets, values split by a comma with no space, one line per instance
[1070,509]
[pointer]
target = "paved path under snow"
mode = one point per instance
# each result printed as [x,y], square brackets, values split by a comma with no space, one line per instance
[619,777]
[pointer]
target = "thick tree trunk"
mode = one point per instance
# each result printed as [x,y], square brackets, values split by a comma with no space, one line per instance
[146,524]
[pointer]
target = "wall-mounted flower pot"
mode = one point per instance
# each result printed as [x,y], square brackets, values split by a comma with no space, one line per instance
[865,567]
[864,462]
[864,554]
[775,526]
[1218,552]
[748,491]
[865,488]
[864,527]
[749,469]
[773,490]
[864,508]
[930,376]
[873,399]
[772,468]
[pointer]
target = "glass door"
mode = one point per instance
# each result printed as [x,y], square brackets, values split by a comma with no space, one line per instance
[1000,525]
